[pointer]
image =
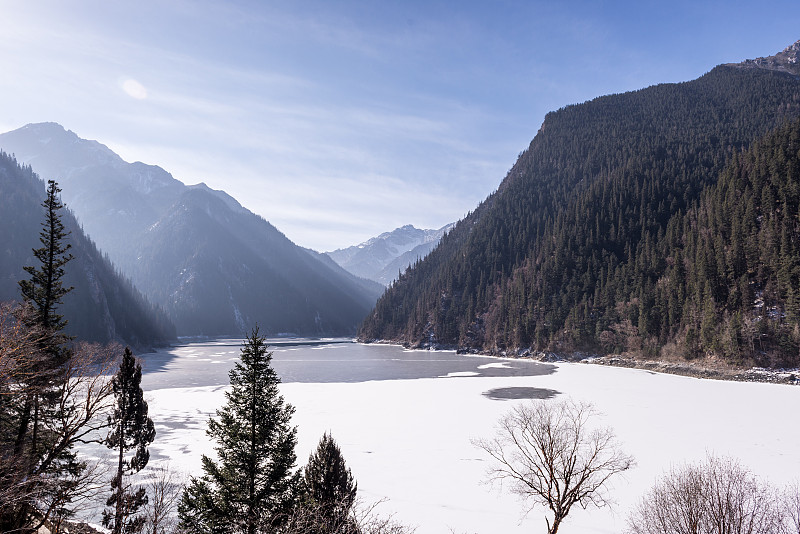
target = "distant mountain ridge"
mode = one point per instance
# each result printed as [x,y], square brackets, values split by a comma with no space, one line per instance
[104,306]
[381,258]
[214,267]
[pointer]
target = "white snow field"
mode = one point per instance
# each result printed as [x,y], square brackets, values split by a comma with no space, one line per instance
[408,441]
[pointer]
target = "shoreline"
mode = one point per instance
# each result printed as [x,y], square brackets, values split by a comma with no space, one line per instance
[751,374]
[685,368]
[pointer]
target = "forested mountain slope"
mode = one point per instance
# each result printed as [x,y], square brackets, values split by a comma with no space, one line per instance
[104,306]
[215,267]
[571,252]
[727,275]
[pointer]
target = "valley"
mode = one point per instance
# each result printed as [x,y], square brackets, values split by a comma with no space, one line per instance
[341,261]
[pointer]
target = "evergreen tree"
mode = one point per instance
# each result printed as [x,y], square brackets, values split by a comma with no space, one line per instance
[33,415]
[131,428]
[329,488]
[249,488]
[45,289]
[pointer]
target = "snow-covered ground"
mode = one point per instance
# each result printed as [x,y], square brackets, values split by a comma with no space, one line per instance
[409,440]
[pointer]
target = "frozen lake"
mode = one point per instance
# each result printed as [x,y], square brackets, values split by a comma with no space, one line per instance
[404,420]
[324,361]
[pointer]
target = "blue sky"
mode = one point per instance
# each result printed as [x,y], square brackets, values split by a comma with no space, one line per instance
[337,121]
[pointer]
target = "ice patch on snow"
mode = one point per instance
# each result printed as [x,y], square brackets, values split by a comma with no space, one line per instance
[498,365]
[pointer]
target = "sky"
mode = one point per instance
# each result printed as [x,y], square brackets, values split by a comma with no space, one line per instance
[340,120]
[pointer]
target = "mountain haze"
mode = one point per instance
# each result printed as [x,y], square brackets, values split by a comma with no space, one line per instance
[104,306]
[215,267]
[587,243]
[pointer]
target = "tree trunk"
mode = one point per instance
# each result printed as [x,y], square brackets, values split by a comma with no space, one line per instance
[35,435]
[251,520]
[24,422]
[120,494]
[552,528]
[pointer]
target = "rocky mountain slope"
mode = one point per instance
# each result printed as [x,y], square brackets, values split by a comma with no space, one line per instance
[787,60]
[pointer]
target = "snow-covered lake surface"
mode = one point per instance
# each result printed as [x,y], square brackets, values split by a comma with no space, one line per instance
[404,420]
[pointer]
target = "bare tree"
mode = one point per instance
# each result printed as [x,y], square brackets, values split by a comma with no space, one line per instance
[20,349]
[73,495]
[85,396]
[362,518]
[552,456]
[310,518]
[718,496]
[739,502]
[161,510]
[370,522]
[20,355]
[791,508]
[46,485]
[673,505]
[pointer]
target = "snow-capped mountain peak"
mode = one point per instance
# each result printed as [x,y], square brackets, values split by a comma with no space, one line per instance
[381,258]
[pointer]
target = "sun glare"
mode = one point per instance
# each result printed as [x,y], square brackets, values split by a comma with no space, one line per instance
[134,89]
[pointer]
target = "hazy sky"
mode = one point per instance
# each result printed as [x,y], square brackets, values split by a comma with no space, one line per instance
[337,121]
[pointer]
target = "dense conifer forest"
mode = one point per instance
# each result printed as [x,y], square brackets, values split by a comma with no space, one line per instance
[105,305]
[636,222]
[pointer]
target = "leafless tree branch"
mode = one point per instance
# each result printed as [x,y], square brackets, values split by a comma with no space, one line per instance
[716,496]
[550,455]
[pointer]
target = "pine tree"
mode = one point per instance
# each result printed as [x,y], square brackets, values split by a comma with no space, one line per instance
[329,487]
[45,288]
[33,449]
[131,428]
[249,488]
[44,291]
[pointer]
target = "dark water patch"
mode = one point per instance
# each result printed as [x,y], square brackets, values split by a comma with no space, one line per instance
[517,393]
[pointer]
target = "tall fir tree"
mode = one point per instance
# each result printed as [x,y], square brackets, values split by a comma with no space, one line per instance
[45,289]
[32,417]
[329,488]
[130,429]
[250,487]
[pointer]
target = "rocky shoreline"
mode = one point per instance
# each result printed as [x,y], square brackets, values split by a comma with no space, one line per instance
[698,369]
[753,374]
[717,371]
